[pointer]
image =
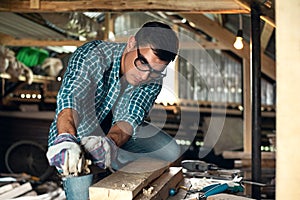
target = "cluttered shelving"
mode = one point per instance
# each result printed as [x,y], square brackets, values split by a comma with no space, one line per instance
[28,75]
[18,90]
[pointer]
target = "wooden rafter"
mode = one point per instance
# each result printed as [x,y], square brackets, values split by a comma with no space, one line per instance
[214,6]
[226,38]
[8,40]
[268,14]
[266,35]
[11,41]
[190,6]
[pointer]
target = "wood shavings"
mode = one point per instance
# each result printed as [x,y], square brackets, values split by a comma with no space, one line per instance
[148,191]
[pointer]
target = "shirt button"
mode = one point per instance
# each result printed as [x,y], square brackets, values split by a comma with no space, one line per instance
[106,108]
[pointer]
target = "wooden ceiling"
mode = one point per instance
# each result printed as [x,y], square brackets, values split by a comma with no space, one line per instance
[195,6]
[128,5]
[192,10]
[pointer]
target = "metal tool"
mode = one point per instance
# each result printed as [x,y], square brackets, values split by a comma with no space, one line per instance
[197,165]
[213,189]
[217,186]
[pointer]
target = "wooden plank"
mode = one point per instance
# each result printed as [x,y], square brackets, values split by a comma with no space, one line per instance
[220,6]
[57,194]
[163,184]
[11,41]
[17,191]
[36,78]
[187,44]
[265,163]
[266,35]
[227,197]
[268,15]
[126,183]
[247,112]
[8,187]
[247,155]
[218,32]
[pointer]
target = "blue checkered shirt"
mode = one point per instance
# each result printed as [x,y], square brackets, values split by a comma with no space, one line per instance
[91,86]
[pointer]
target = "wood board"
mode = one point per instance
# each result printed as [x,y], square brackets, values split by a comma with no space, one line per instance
[17,191]
[8,187]
[224,196]
[126,183]
[163,184]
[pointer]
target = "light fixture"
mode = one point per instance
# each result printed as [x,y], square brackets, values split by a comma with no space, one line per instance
[238,44]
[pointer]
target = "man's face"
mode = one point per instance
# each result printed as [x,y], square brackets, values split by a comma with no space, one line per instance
[142,65]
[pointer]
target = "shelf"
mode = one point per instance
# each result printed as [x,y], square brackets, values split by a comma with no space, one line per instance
[245,155]
[44,89]
[207,107]
[36,78]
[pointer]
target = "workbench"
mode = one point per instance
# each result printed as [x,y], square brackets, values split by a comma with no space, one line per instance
[146,179]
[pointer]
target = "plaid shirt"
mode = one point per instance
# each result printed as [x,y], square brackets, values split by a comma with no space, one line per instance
[91,86]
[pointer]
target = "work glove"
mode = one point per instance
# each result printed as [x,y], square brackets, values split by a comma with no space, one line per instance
[66,155]
[102,150]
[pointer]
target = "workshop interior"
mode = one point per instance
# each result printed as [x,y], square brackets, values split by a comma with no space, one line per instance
[226,99]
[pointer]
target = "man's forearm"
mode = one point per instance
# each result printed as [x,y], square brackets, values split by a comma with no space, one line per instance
[120,133]
[67,121]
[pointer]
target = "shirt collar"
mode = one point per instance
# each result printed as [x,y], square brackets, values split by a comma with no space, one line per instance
[117,60]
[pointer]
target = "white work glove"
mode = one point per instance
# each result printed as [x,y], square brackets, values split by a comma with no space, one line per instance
[101,149]
[66,155]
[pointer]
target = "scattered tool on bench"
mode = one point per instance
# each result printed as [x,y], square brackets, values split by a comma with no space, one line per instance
[213,186]
[198,168]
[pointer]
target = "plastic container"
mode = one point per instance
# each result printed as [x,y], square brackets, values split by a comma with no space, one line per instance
[31,56]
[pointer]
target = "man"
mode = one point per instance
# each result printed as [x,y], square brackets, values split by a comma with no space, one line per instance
[107,91]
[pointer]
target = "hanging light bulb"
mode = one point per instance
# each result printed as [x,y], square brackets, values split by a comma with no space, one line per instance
[238,44]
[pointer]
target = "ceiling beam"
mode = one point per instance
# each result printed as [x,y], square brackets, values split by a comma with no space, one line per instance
[208,6]
[266,35]
[267,13]
[8,40]
[226,38]
[189,6]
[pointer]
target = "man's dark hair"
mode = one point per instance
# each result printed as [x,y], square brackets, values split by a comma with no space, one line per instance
[162,39]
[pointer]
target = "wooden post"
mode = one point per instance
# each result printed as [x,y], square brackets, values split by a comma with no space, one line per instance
[35,4]
[247,128]
[109,25]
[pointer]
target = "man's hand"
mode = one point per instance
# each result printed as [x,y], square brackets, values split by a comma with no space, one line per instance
[101,149]
[66,155]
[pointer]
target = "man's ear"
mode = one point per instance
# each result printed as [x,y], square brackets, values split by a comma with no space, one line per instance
[131,43]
